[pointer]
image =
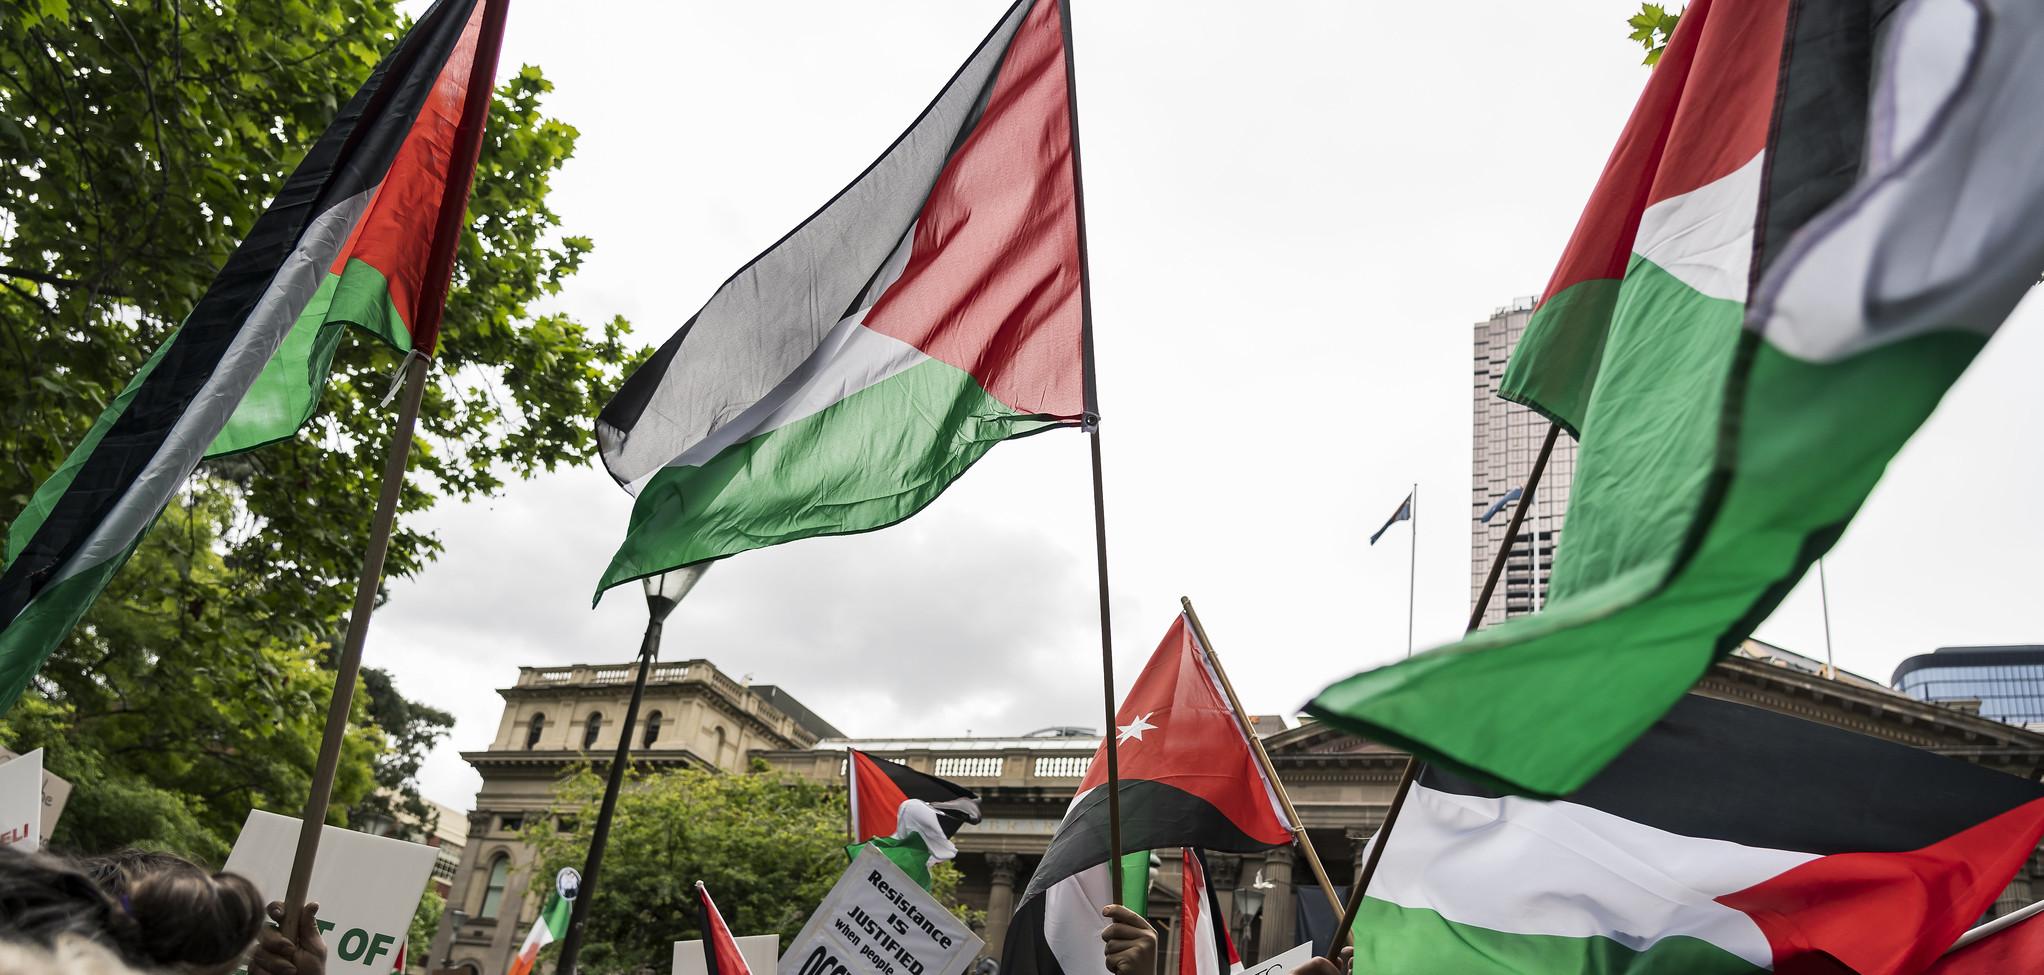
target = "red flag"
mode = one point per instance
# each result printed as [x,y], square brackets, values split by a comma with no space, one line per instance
[720,950]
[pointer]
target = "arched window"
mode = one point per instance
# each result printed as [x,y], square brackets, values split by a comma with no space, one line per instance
[719,760]
[652,729]
[590,730]
[532,734]
[500,877]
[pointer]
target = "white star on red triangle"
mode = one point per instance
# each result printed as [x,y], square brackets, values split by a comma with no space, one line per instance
[1134,729]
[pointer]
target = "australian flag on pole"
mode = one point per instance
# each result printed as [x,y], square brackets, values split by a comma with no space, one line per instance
[1404,513]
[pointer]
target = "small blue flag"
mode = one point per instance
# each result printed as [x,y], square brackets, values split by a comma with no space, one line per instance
[1404,513]
[1499,505]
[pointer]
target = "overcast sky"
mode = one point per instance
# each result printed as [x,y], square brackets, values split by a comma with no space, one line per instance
[1297,211]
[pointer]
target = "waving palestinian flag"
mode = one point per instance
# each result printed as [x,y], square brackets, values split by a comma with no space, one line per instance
[720,950]
[1728,839]
[1816,217]
[844,378]
[879,788]
[1188,778]
[362,233]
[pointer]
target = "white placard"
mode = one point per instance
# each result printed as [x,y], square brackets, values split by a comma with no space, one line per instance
[21,802]
[366,886]
[1284,962]
[877,921]
[758,950]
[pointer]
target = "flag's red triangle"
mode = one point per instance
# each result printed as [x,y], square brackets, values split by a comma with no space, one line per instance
[720,950]
[876,799]
[1175,728]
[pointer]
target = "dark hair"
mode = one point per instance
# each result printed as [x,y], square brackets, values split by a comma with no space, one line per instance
[181,913]
[43,899]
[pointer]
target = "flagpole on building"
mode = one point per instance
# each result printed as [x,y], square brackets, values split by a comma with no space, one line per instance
[1411,772]
[1091,425]
[1824,596]
[436,279]
[1270,775]
[1412,563]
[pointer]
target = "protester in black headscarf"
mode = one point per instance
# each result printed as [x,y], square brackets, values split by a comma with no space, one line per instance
[151,910]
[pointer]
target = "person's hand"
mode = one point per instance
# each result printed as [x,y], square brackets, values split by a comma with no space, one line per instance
[1321,966]
[1131,942]
[276,954]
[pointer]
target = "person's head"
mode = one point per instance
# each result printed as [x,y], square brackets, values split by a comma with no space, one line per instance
[184,917]
[44,900]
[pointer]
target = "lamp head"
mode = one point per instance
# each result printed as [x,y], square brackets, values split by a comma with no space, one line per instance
[664,591]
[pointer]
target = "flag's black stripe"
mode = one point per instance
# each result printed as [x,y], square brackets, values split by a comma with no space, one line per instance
[709,933]
[955,804]
[351,157]
[1719,770]
[1026,951]
[1154,816]
[1214,913]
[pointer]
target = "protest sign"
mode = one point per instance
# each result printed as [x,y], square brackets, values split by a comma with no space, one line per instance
[1280,964]
[758,950]
[877,921]
[366,886]
[21,802]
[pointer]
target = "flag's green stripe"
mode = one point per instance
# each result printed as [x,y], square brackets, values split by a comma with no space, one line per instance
[1810,441]
[1135,881]
[1394,940]
[1565,340]
[44,623]
[284,396]
[868,461]
[558,910]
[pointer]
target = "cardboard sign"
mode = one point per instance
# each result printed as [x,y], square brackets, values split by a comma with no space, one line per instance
[21,802]
[1284,962]
[366,886]
[877,921]
[758,950]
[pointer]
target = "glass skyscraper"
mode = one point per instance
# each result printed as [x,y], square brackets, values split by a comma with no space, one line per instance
[2007,681]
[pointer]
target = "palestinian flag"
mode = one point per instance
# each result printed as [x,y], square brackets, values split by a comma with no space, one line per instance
[720,950]
[1727,839]
[550,927]
[1188,778]
[880,789]
[1818,213]
[1203,944]
[2009,944]
[362,233]
[844,378]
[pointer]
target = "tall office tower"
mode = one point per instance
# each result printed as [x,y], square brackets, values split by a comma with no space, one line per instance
[1506,440]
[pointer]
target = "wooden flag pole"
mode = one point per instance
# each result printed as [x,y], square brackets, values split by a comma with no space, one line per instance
[1091,424]
[1206,646]
[1405,778]
[434,283]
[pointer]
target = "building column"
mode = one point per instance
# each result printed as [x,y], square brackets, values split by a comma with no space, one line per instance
[1278,922]
[1000,900]
[1359,841]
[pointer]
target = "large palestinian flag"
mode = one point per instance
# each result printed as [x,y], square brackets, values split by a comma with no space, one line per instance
[362,233]
[1188,778]
[1817,215]
[1727,839]
[844,378]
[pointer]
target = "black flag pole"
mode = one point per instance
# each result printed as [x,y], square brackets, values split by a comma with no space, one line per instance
[1406,778]
[1092,429]
[435,282]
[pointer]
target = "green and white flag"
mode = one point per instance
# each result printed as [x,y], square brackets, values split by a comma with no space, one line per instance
[1815,218]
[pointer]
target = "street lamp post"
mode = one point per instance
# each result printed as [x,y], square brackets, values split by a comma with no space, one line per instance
[454,921]
[663,593]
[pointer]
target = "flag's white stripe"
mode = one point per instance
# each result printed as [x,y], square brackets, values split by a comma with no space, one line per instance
[1521,866]
[1705,236]
[1072,921]
[252,348]
[1944,229]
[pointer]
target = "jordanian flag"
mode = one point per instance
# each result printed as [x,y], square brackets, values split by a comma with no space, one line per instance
[1727,839]
[1188,778]
[362,233]
[551,926]
[844,378]
[1817,215]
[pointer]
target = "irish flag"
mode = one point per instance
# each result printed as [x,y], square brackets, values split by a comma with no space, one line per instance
[547,929]
[1818,213]
[361,234]
[841,380]
[1726,840]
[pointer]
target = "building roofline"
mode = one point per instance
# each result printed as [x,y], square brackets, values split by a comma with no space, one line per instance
[2018,653]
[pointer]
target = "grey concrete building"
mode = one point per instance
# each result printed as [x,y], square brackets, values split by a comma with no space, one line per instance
[1505,438]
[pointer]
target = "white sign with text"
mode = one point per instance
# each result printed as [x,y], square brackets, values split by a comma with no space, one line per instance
[758,950]
[21,802]
[877,921]
[1284,962]
[366,886]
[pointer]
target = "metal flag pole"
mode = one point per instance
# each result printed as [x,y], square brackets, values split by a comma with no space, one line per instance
[1263,761]
[1091,425]
[1411,772]
[663,593]
[1824,595]
[2002,923]
[432,303]
[1412,562]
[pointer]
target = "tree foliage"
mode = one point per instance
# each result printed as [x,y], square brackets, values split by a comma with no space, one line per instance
[138,142]
[1651,28]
